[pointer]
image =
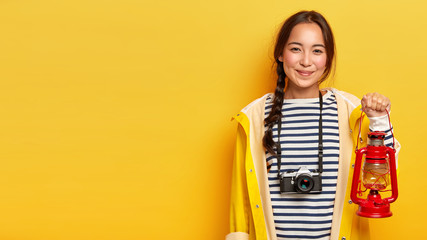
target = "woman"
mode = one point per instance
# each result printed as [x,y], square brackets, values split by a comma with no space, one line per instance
[318,133]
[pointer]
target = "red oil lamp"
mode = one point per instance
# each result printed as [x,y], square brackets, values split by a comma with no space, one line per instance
[379,167]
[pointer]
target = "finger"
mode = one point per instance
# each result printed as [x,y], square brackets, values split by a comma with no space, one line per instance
[384,103]
[374,101]
[388,104]
[379,102]
[383,106]
[363,102]
[368,101]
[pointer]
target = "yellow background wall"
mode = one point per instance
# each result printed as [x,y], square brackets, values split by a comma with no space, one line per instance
[115,115]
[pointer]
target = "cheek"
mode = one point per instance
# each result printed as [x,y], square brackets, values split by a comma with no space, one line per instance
[289,59]
[321,62]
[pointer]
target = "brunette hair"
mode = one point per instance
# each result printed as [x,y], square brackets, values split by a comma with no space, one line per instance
[282,38]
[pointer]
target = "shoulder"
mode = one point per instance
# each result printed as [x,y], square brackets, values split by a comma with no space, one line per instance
[348,97]
[257,103]
[351,100]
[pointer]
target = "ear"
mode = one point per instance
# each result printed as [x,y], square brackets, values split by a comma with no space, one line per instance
[280,58]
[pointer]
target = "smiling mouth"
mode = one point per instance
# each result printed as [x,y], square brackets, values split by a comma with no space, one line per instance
[304,73]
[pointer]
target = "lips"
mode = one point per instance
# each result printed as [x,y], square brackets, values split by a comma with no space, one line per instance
[304,73]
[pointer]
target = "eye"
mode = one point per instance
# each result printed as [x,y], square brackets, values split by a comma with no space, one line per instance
[295,49]
[317,51]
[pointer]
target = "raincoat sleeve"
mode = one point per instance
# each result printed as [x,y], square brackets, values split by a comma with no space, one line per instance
[239,205]
[355,119]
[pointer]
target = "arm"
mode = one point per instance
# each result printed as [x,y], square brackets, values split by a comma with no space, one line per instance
[375,106]
[239,204]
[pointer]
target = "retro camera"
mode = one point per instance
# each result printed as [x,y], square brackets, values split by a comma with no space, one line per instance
[301,181]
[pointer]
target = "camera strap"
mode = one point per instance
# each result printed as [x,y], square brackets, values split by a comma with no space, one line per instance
[320,147]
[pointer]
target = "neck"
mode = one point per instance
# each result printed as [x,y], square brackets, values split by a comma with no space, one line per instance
[293,92]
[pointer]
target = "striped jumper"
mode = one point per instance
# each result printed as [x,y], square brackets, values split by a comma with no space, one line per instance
[296,215]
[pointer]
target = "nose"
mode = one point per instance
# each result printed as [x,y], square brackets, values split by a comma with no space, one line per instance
[305,60]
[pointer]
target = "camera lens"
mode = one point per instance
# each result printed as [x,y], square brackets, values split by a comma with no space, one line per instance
[304,183]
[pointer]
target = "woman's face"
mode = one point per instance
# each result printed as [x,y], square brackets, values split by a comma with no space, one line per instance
[304,56]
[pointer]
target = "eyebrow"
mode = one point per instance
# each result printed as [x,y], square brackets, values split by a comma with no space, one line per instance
[315,45]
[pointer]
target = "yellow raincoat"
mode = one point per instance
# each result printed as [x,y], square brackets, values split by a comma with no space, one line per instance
[251,215]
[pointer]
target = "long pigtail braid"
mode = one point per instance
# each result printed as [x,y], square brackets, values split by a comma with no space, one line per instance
[276,110]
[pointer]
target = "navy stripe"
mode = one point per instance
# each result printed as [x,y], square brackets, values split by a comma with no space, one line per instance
[305,163]
[297,164]
[302,199]
[303,214]
[306,156]
[302,222]
[311,148]
[323,192]
[324,170]
[323,185]
[306,127]
[286,113]
[323,177]
[288,164]
[388,137]
[331,98]
[308,114]
[329,184]
[303,207]
[329,177]
[306,134]
[315,102]
[331,170]
[389,145]
[303,237]
[303,229]
[315,156]
[308,121]
[309,141]
[303,108]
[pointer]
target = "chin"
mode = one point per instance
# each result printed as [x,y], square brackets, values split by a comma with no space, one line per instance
[307,85]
